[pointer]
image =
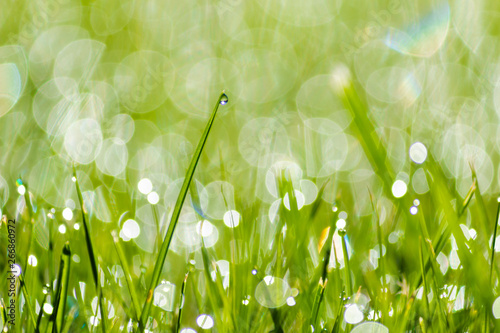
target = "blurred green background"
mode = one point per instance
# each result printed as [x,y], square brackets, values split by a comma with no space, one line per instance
[123,89]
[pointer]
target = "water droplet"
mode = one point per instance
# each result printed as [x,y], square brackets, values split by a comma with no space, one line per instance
[153,198]
[232,218]
[164,296]
[399,188]
[224,99]
[254,272]
[272,292]
[496,308]
[370,327]
[145,186]
[413,210]
[187,330]
[21,189]
[131,229]
[46,289]
[32,261]
[418,152]
[67,214]
[353,314]
[205,321]
[290,301]
[47,308]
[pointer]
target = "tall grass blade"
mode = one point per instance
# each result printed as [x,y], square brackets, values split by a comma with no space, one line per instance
[40,313]
[495,230]
[347,266]
[62,290]
[214,297]
[374,150]
[181,301]
[128,276]
[88,239]
[73,313]
[338,318]
[320,291]
[3,313]
[422,271]
[162,255]
[90,247]
[482,210]
[27,300]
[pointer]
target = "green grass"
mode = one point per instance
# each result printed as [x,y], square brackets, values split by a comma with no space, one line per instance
[323,290]
[319,304]
[242,229]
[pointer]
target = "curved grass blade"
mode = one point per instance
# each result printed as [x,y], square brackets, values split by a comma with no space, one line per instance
[162,255]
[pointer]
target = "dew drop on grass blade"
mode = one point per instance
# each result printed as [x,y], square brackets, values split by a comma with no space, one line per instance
[162,255]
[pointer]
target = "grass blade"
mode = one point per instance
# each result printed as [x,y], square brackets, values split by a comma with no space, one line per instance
[214,297]
[3,312]
[162,255]
[90,247]
[128,276]
[339,317]
[62,289]
[423,272]
[71,316]
[40,313]
[492,260]
[88,240]
[374,150]
[346,264]
[28,303]
[320,291]
[182,299]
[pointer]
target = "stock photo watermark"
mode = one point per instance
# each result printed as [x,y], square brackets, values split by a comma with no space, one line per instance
[378,23]
[38,17]
[12,272]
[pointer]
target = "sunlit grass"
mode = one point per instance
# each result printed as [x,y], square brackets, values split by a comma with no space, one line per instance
[345,181]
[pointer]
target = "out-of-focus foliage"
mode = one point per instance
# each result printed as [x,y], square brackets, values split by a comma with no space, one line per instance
[351,179]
